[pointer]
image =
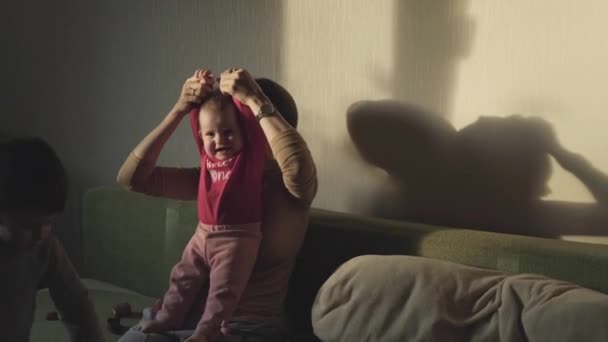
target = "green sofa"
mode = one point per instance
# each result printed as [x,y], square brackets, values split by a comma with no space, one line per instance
[131,241]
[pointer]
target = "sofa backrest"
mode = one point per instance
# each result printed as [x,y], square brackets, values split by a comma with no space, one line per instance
[132,240]
[334,238]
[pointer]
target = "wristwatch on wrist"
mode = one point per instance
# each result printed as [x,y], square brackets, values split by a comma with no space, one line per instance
[267,109]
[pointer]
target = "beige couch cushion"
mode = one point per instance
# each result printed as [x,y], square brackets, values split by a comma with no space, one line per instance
[404,298]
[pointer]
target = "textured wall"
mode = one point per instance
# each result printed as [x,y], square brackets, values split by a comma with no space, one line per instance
[544,58]
[455,59]
[94,77]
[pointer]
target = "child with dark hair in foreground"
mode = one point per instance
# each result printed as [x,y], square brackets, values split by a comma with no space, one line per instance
[33,191]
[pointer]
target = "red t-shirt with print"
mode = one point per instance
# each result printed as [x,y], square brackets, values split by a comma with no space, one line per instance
[230,191]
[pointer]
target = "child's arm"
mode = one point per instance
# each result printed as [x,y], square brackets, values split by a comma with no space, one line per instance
[255,141]
[205,77]
[70,296]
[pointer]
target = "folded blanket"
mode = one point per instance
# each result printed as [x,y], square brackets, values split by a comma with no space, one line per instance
[405,298]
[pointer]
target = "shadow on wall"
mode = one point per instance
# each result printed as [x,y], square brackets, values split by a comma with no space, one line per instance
[432,37]
[490,175]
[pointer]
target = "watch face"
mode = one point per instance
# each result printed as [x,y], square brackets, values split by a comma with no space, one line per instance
[266,109]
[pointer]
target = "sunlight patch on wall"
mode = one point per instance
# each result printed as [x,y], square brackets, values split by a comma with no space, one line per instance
[336,53]
[546,59]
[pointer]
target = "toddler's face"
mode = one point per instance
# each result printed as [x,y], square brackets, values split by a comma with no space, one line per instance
[220,132]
